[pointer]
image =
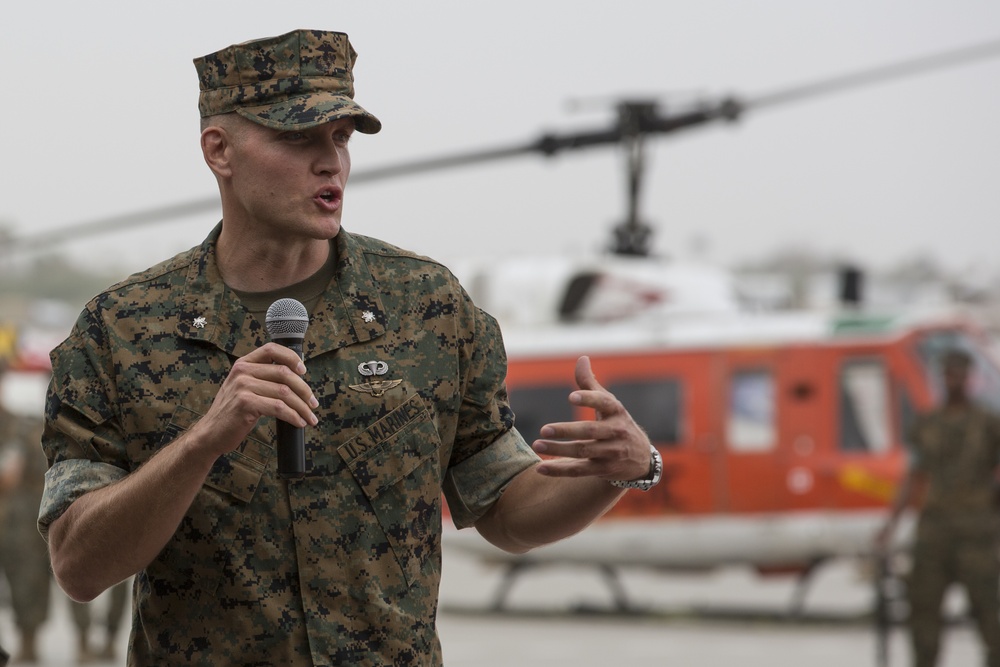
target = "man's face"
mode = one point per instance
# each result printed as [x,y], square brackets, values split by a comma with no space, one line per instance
[289,184]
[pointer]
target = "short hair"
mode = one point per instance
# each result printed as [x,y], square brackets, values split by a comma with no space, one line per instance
[228,121]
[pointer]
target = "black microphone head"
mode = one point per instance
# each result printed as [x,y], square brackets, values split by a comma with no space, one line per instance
[286,318]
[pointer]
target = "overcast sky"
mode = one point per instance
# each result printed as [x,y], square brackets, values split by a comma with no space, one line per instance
[99,117]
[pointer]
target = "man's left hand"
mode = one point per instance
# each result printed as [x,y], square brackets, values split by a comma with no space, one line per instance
[613,447]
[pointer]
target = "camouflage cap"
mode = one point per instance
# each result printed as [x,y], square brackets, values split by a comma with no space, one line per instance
[294,81]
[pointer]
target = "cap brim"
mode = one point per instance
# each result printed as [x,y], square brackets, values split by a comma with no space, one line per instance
[305,111]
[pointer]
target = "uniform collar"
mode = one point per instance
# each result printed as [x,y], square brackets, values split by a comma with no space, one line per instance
[349,312]
[351,309]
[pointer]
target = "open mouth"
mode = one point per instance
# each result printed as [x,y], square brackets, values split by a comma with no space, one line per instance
[328,196]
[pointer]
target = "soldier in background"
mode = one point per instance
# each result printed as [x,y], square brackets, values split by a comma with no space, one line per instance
[23,553]
[953,469]
[82,617]
[9,476]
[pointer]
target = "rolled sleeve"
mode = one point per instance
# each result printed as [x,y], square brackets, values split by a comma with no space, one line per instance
[66,481]
[472,486]
[82,438]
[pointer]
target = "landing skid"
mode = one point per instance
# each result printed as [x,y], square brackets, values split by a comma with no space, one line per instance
[802,584]
[608,573]
[622,604]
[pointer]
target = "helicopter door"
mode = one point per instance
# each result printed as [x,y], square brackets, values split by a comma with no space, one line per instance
[806,425]
[865,414]
[866,430]
[749,430]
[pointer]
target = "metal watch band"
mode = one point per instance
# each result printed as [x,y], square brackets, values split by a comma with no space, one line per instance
[646,483]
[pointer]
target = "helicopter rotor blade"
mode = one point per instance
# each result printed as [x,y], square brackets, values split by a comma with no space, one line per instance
[80,230]
[636,120]
[875,75]
[548,145]
[645,120]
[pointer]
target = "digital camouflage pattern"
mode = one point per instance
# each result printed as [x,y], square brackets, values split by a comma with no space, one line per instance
[959,452]
[24,557]
[341,567]
[294,81]
[957,530]
[942,556]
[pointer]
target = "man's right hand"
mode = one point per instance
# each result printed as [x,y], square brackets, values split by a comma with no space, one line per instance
[85,542]
[265,383]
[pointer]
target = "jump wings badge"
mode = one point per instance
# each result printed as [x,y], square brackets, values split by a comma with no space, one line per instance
[374,387]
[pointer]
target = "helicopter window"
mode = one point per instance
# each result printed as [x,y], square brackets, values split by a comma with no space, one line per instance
[534,407]
[750,426]
[656,405]
[864,407]
[984,380]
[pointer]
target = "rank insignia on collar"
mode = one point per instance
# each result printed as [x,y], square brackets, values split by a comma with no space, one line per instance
[374,387]
[200,322]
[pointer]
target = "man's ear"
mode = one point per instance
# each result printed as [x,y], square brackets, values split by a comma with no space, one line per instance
[215,144]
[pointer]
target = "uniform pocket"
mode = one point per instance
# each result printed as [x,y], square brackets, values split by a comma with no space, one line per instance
[192,562]
[395,462]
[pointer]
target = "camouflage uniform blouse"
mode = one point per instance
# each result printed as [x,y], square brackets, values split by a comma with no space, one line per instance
[341,567]
[959,452]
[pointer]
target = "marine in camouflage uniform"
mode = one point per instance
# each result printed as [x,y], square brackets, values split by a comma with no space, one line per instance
[343,566]
[955,451]
[167,389]
[9,476]
[23,555]
[112,619]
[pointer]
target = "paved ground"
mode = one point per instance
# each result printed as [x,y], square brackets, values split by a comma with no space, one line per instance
[559,618]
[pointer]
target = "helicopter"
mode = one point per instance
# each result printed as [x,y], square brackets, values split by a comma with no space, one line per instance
[782,434]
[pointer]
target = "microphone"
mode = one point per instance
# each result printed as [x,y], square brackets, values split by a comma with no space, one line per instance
[286,323]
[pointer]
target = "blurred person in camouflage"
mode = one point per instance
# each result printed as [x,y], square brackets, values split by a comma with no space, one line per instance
[23,555]
[10,473]
[161,414]
[954,458]
[111,619]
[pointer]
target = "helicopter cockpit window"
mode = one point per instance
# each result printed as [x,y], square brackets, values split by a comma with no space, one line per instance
[865,419]
[656,405]
[984,382]
[750,423]
[534,407]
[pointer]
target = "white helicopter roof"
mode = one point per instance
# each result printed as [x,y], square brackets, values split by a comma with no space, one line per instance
[540,290]
[562,305]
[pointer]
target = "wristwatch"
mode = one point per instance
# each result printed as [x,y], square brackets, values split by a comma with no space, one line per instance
[650,480]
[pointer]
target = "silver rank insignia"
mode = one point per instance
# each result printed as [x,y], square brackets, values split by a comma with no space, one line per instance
[374,387]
